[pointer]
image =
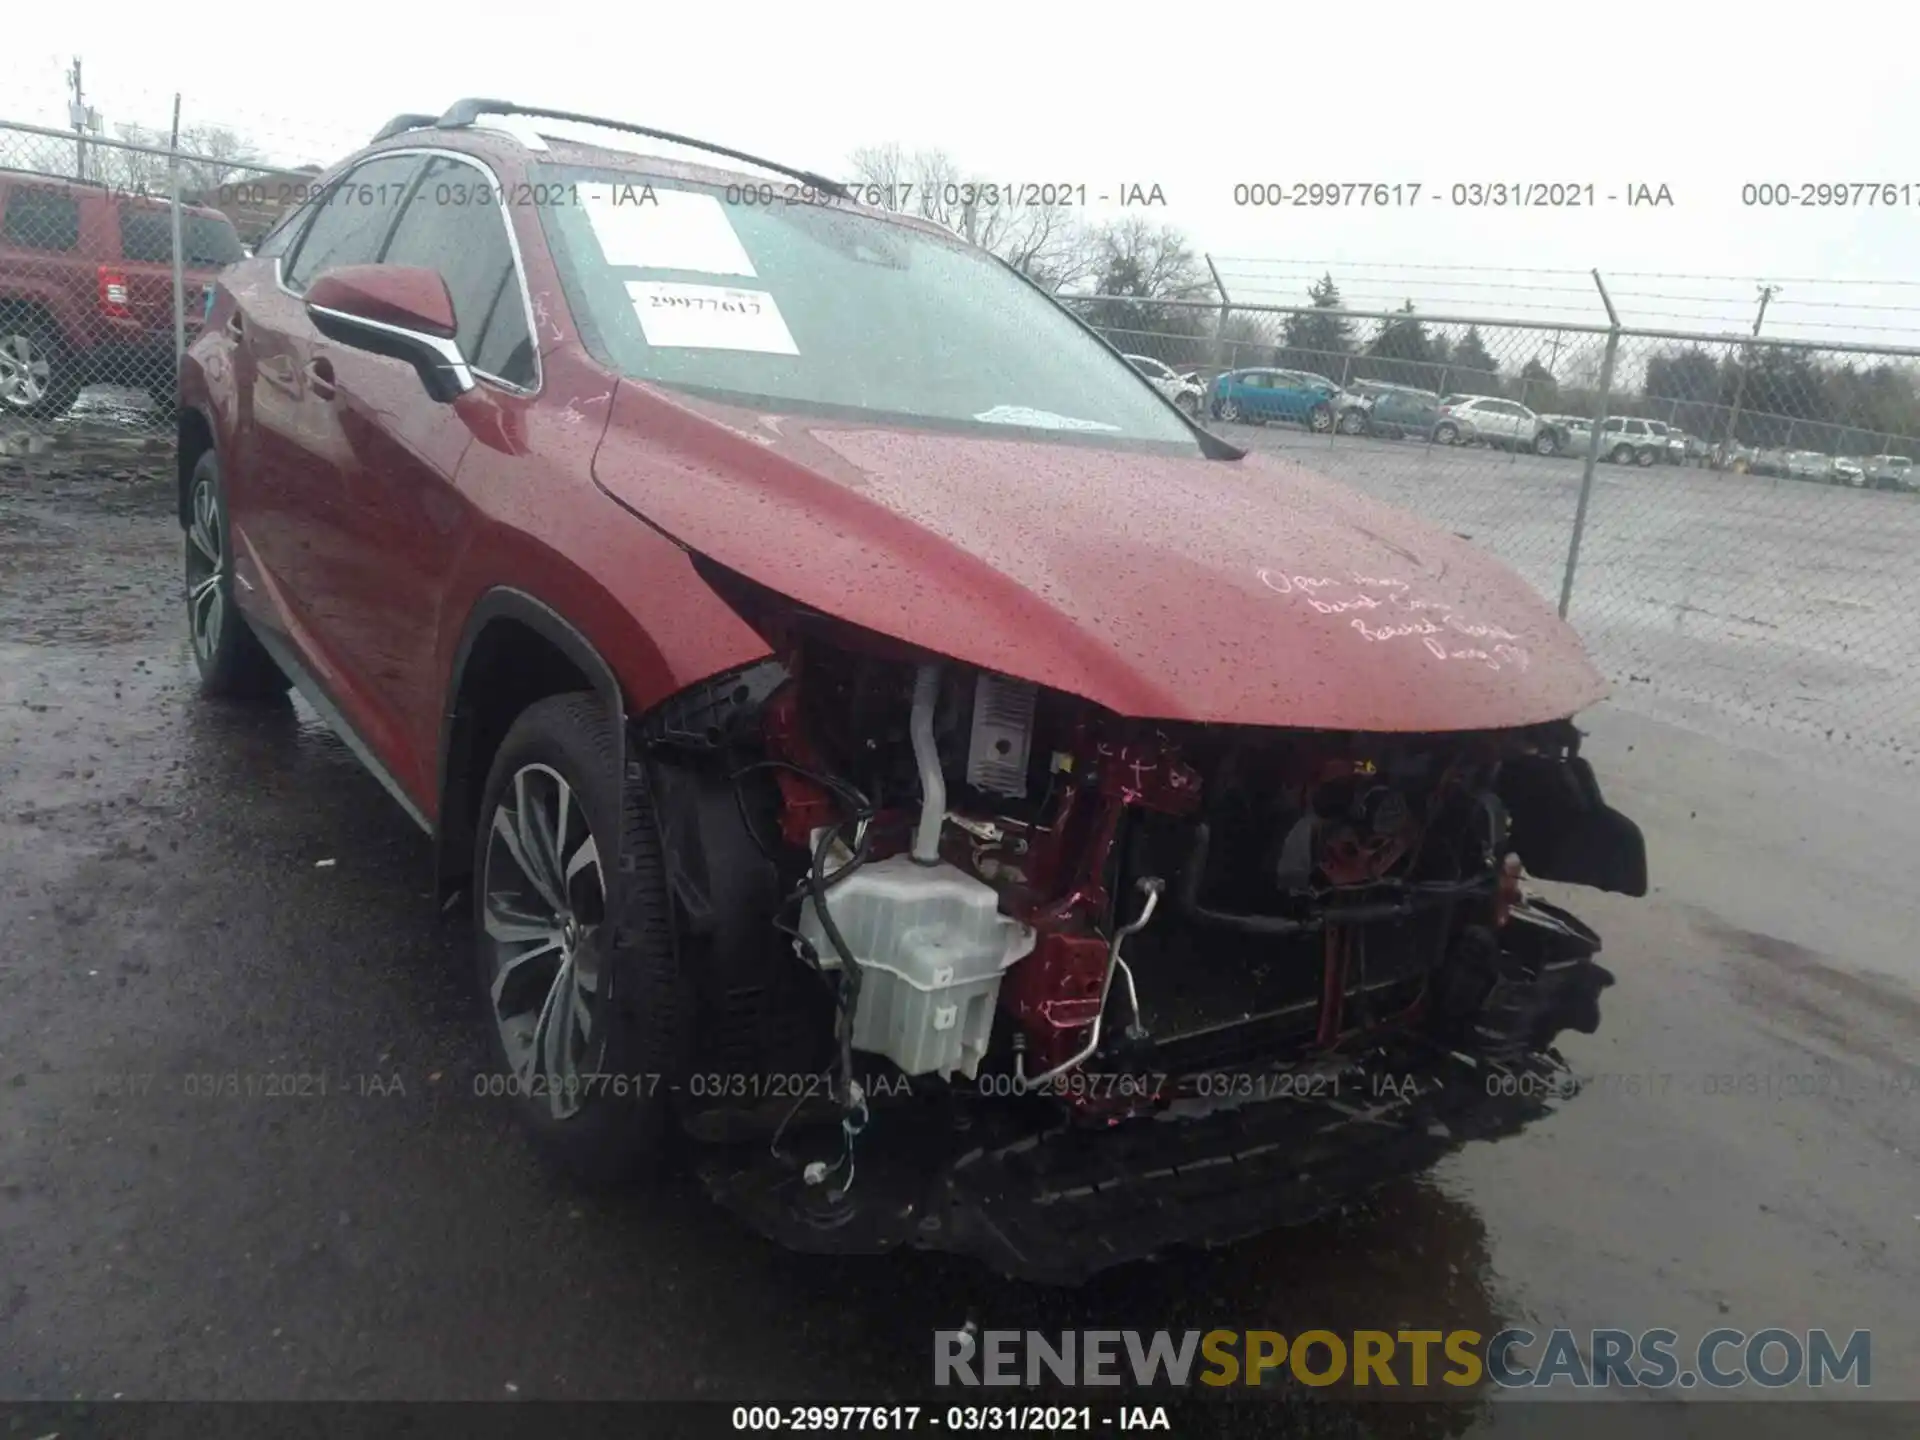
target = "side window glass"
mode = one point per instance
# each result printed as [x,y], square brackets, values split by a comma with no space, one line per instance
[280,238]
[453,224]
[41,217]
[146,235]
[353,218]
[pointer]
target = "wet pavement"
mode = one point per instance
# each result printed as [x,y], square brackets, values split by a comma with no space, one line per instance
[191,892]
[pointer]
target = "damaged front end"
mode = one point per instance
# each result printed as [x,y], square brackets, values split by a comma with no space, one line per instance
[985,968]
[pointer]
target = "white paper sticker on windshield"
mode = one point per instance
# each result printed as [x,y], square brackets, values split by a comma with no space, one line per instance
[1038,419]
[664,230]
[710,317]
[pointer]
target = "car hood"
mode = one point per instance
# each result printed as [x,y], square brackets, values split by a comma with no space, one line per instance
[1239,592]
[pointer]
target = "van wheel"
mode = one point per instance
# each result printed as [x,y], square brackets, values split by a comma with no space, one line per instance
[38,377]
[589,1015]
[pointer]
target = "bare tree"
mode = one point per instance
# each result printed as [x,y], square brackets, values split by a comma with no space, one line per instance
[1045,242]
[1149,259]
[221,156]
[1141,264]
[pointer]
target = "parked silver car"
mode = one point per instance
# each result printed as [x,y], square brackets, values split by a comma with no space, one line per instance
[1809,465]
[1665,439]
[1627,440]
[1890,472]
[1500,424]
[1847,470]
[1571,433]
[1675,440]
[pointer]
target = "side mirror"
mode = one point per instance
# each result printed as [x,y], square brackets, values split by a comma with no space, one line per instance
[401,311]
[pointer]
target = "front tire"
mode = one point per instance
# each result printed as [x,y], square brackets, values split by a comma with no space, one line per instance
[232,662]
[1644,459]
[589,1016]
[1353,422]
[1228,410]
[1320,419]
[1447,434]
[1546,443]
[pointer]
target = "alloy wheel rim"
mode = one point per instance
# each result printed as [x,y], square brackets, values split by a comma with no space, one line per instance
[206,572]
[543,913]
[24,371]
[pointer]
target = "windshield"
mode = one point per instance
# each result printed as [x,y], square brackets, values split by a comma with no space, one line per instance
[821,308]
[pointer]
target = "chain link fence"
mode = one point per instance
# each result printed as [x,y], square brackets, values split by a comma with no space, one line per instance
[107,251]
[1729,521]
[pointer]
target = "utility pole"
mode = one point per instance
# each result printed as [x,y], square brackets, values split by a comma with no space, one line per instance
[77,112]
[1767,292]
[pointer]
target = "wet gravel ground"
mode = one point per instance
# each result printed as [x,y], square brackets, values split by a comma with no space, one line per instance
[189,890]
[1781,604]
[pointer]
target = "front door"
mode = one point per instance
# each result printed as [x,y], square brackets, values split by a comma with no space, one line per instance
[400,521]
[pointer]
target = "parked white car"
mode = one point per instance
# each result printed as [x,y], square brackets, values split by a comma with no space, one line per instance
[1572,432]
[1672,442]
[1628,441]
[1847,470]
[1489,420]
[1186,391]
[1890,472]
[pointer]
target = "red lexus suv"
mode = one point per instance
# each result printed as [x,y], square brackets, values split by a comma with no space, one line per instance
[902,767]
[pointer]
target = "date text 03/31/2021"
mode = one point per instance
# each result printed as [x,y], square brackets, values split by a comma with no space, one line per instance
[953,1419]
[1462,194]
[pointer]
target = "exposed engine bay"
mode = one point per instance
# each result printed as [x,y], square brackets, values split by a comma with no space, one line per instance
[983,967]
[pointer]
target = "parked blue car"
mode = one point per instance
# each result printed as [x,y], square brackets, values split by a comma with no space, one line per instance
[1262,395]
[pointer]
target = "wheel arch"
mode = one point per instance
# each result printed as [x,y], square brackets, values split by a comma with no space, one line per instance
[194,434]
[514,650]
[27,300]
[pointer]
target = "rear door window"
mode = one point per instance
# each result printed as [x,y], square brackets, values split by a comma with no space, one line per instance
[209,241]
[41,217]
[146,236]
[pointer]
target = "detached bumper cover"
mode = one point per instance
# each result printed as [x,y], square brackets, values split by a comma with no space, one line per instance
[1059,1207]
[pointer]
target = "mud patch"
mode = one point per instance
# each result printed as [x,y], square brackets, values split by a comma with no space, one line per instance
[1843,1008]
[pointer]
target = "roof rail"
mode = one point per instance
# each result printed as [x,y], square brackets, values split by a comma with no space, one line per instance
[399,125]
[463,113]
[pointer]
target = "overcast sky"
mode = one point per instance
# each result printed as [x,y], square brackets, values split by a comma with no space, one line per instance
[1192,99]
